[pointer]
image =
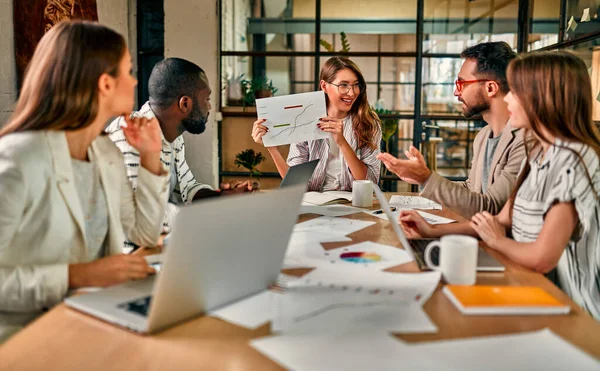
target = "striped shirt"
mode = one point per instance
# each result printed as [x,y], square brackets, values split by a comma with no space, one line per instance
[561,177]
[184,185]
[302,152]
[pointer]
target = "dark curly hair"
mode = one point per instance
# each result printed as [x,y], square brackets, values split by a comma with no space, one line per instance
[492,61]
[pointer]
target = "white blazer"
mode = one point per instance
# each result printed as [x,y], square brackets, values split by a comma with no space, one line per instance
[42,227]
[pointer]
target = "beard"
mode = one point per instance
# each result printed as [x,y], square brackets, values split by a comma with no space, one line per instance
[195,123]
[479,107]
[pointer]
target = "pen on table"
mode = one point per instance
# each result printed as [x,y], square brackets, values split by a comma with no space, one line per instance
[393,208]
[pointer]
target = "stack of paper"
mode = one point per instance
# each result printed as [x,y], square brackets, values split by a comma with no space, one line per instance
[539,350]
[429,218]
[326,198]
[410,286]
[334,210]
[320,309]
[414,202]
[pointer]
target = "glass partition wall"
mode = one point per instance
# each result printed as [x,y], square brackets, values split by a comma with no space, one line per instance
[408,51]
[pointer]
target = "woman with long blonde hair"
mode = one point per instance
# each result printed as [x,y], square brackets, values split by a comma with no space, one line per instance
[65,201]
[554,212]
[350,153]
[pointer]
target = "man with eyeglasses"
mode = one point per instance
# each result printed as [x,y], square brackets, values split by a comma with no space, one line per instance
[498,149]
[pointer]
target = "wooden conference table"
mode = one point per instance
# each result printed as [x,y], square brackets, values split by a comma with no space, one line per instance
[64,339]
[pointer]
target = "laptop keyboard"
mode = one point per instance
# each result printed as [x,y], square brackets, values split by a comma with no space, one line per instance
[419,247]
[140,306]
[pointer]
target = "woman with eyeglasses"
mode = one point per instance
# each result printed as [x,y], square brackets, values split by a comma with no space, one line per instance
[553,215]
[350,153]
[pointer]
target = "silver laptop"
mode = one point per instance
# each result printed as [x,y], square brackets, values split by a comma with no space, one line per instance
[299,174]
[220,251]
[416,248]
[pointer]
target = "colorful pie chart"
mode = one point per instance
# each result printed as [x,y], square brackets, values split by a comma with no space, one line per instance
[360,257]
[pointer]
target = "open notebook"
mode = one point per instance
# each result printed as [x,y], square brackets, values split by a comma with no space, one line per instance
[503,300]
[326,198]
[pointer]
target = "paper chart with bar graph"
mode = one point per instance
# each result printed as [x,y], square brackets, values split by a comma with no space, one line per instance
[292,118]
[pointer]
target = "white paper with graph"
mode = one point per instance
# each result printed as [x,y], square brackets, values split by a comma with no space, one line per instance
[292,118]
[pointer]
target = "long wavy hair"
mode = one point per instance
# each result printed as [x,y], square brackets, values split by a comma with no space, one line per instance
[365,121]
[60,89]
[555,91]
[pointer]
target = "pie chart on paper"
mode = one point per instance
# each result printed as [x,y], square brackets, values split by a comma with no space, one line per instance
[360,257]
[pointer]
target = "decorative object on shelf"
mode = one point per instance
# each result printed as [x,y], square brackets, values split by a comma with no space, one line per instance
[258,87]
[233,91]
[345,45]
[250,160]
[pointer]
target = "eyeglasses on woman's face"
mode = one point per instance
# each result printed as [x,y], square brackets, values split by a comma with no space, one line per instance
[344,88]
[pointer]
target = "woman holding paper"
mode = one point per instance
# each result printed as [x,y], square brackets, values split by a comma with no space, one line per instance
[65,198]
[554,213]
[350,153]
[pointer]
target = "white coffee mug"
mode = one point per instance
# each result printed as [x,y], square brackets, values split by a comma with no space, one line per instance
[458,258]
[362,193]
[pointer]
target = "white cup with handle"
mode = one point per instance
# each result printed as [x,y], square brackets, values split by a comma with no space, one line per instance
[362,193]
[458,258]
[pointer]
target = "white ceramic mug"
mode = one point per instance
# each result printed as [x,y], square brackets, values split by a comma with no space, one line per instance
[362,193]
[458,258]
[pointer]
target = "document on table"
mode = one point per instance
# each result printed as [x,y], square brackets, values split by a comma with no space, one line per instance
[326,198]
[305,249]
[539,350]
[369,255]
[331,225]
[320,309]
[414,202]
[250,312]
[332,210]
[429,218]
[410,286]
[326,352]
[292,118]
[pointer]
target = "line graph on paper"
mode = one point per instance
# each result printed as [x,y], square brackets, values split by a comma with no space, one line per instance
[292,118]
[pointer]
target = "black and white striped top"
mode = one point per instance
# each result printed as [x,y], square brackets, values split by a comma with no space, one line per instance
[306,151]
[172,156]
[561,177]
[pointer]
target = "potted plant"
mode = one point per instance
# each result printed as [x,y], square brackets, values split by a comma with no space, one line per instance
[258,87]
[250,160]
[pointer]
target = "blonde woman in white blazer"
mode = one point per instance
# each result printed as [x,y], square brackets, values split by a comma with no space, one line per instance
[51,241]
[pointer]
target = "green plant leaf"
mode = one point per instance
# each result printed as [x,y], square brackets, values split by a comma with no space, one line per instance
[325,44]
[345,44]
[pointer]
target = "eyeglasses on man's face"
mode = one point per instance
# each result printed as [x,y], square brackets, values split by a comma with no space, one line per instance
[460,84]
[344,88]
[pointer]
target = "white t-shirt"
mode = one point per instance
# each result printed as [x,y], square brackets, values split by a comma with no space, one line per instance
[333,172]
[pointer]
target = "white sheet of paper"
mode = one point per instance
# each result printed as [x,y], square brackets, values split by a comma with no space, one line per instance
[292,118]
[326,352]
[410,286]
[330,210]
[414,202]
[430,218]
[250,312]
[305,249]
[321,198]
[572,25]
[389,256]
[539,350]
[283,279]
[585,17]
[313,310]
[331,225]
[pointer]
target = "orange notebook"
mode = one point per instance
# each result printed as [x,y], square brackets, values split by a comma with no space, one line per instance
[503,300]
